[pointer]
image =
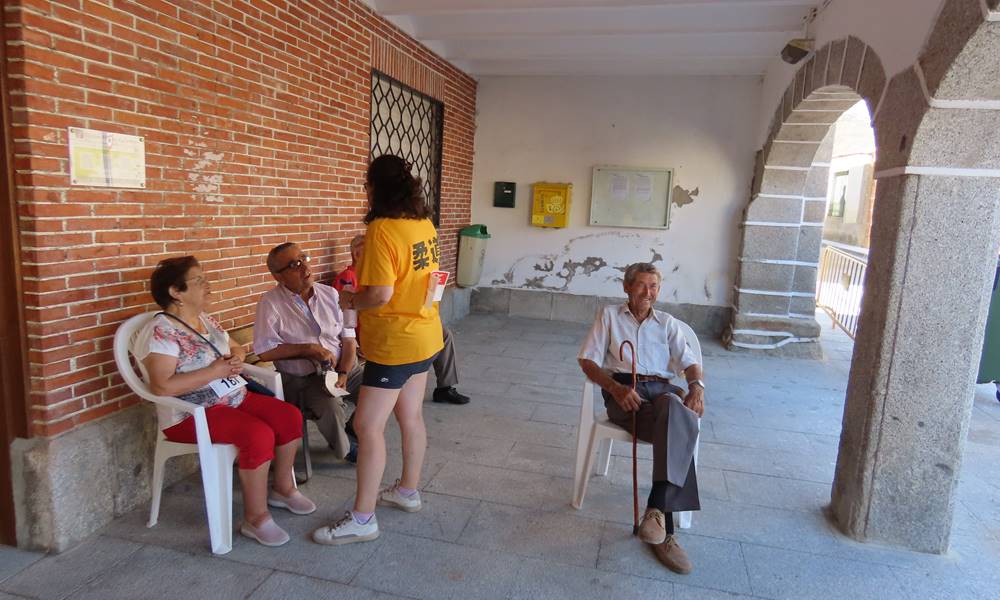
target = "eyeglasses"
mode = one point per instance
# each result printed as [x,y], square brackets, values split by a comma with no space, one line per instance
[295,264]
[199,280]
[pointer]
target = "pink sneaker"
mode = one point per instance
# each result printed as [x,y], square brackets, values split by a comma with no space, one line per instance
[296,503]
[267,533]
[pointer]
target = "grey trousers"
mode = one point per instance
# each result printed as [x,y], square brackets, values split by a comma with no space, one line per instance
[651,427]
[445,368]
[309,394]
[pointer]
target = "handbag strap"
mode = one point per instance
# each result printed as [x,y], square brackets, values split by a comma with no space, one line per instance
[192,330]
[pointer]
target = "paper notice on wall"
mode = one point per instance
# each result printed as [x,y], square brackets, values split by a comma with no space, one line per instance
[619,188]
[103,159]
[642,187]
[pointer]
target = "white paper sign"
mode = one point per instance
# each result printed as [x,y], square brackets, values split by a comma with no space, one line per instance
[103,159]
[643,187]
[227,385]
[619,188]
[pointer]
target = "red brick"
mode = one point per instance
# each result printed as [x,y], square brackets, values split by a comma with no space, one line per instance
[50,26]
[80,50]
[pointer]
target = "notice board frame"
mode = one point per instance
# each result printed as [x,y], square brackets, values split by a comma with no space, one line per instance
[643,204]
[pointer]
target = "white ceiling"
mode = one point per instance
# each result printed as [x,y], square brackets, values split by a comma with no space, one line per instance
[602,37]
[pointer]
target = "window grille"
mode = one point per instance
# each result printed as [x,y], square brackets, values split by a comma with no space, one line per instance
[410,125]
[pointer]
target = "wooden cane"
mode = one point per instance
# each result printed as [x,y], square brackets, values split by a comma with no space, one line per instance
[635,478]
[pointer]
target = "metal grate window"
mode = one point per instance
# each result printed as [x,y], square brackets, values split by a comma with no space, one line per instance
[410,125]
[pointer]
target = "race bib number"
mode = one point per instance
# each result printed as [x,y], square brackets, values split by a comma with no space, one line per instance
[227,385]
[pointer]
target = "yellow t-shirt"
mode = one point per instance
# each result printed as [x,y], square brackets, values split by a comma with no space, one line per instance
[400,253]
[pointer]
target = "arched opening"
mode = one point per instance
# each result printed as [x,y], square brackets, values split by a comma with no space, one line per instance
[846,159]
[782,230]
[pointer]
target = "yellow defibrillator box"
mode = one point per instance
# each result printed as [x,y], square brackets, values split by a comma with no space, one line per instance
[550,204]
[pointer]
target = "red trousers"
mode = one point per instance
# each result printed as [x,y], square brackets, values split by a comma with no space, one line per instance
[256,426]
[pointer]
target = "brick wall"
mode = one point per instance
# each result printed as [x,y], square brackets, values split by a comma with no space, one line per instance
[255,117]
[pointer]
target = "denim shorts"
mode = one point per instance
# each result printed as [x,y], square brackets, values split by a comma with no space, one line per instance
[393,377]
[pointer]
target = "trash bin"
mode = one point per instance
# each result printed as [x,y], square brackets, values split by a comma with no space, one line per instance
[989,362]
[471,254]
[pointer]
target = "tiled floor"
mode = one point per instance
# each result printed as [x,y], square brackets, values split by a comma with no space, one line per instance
[497,521]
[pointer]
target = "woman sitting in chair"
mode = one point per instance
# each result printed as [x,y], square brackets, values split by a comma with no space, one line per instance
[188,355]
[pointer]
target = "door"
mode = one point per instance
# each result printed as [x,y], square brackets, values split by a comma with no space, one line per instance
[13,369]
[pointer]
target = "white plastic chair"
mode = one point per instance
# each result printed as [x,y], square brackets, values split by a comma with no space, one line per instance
[216,459]
[596,429]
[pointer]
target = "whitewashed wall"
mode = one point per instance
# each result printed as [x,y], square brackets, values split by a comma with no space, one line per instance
[557,129]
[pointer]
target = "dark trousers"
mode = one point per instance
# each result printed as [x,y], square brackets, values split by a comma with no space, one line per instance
[309,394]
[651,427]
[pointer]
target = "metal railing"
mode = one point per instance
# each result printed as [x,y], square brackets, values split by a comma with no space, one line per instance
[841,284]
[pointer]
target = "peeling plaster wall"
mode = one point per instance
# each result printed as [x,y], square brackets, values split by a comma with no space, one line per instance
[896,29]
[557,129]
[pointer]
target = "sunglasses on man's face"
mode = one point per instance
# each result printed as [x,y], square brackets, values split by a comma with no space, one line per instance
[295,264]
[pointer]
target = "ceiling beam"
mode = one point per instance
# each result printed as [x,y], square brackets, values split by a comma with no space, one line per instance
[432,7]
[665,19]
[680,45]
[750,66]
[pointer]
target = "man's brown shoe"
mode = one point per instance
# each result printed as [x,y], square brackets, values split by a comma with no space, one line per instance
[673,556]
[652,529]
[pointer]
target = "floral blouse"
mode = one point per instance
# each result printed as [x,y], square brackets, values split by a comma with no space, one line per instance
[164,335]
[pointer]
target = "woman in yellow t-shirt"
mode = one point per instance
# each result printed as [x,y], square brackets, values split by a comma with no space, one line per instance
[401,333]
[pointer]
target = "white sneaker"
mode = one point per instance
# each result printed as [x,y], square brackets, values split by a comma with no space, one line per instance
[346,531]
[392,497]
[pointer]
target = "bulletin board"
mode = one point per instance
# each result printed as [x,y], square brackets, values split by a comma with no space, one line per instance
[631,197]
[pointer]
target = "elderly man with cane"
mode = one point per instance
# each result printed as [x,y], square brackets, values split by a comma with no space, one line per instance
[639,398]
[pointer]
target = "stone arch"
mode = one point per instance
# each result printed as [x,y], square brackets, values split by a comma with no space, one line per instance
[783,223]
[934,245]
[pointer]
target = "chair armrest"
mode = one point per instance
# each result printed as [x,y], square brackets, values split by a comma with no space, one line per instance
[172,402]
[268,377]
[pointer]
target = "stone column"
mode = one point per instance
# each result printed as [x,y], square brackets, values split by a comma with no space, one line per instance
[933,254]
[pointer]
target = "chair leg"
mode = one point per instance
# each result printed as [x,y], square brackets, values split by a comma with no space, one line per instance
[159,462]
[226,498]
[306,457]
[604,458]
[217,479]
[582,439]
[588,465]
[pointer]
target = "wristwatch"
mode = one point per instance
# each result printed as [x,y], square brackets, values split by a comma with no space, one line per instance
[697,382]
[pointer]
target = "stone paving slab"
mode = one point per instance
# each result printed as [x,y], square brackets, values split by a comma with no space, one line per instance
[543,579]
[155,573]
[761,490]
[782,574]
[285,586]
[13,561]
[559,538]
[62,574]
[422,568]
